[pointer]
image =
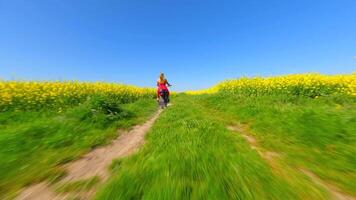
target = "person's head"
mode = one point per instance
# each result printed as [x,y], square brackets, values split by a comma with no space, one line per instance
[161,76]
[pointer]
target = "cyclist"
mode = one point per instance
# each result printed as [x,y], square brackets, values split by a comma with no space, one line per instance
[162,85]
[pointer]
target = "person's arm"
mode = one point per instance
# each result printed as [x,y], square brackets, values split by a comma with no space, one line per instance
[168,83]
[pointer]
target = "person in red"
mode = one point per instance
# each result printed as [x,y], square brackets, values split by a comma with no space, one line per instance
[162,84]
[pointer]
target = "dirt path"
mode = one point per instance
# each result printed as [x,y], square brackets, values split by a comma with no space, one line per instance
[335,192]
[93,164]
[270,157]
[243,130]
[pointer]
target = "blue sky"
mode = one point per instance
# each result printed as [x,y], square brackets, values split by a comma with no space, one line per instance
[195,42]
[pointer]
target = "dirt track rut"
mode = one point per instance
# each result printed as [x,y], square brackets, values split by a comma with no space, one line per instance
[269,156]
[93,164]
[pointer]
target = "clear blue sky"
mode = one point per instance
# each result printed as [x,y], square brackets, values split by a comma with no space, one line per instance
[195,42]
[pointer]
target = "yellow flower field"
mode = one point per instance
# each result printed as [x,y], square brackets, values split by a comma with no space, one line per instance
[29,95]
[312,85]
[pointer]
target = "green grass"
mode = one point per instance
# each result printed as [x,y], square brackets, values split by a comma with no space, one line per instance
[317,134]
[35,144]
[190,154]
[77,186]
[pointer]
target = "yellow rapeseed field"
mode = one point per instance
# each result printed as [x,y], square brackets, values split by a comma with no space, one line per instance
[29,95]
[312,85]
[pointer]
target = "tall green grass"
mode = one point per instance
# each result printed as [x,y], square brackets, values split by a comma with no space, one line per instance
[190,154]
[35,144]
[317,134]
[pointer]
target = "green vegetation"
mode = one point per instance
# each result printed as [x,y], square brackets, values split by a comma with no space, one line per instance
[317,134]
[35,144]
[77,186]
[251,138]
[190,154]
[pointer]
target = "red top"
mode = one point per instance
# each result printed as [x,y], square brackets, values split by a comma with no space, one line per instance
[162,84]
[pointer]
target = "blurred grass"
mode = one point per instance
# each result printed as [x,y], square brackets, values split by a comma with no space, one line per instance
[189,154]
[77,186]
[314,133]
[34,144]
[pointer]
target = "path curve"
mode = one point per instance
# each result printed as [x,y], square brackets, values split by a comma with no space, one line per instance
[95,163]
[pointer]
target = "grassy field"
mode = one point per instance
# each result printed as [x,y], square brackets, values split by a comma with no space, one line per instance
[190,154]
[317,134]
[35,144]
[257,138]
